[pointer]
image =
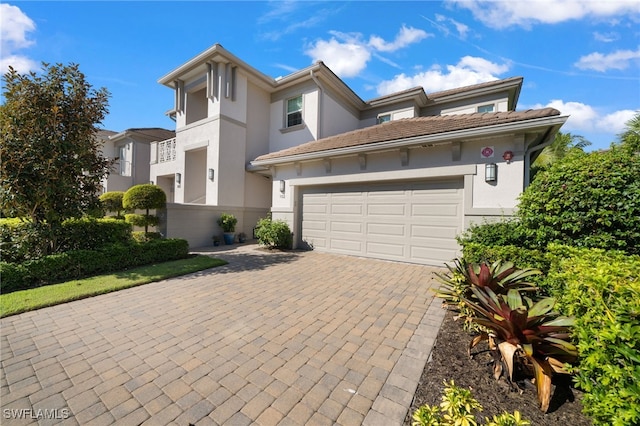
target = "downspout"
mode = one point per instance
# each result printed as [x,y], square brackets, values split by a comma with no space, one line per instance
[320,103]
[527,157]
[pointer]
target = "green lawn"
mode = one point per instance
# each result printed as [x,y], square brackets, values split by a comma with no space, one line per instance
[29,300]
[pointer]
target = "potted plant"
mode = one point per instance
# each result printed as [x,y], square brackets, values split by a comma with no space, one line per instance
[242,237]
[228,224]
[216,241]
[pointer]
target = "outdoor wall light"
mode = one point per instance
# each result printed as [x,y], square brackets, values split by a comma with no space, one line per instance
[507,156]
[178,178]
[490,172]
[212,173]
[282,186]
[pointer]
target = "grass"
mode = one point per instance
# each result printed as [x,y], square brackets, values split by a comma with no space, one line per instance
[55,294]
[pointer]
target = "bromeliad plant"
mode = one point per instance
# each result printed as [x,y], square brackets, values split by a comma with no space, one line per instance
[520,330]
[499,276]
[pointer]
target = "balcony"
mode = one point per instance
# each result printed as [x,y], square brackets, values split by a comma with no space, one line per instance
[165,151]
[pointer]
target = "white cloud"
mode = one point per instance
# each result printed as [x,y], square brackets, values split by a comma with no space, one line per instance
[503,14]
[468,71]
[346,59]
[15,26]
[461,28]
[606,37]
[587,119]
[619,60]
[347,54]
[405,37]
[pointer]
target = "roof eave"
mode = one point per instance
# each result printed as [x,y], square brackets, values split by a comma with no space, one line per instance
[212,53]
[437,138]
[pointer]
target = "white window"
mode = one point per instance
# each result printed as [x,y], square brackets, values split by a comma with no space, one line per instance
[124,159]
[485,108]
[383,118]
[294,111]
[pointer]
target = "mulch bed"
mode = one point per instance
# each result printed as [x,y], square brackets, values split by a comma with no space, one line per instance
[449,361]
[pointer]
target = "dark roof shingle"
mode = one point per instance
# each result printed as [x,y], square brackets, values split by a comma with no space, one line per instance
[409,128]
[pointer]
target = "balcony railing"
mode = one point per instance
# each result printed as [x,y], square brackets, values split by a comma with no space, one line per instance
[167,150]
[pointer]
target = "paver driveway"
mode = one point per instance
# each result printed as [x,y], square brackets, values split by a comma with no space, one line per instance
[271,338]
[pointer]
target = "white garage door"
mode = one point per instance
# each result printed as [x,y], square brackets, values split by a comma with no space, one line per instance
[411,222]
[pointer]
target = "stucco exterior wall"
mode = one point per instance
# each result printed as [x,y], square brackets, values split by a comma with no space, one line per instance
[197,223]
[482,200]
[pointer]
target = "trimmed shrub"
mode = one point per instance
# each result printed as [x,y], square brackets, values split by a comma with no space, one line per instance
[144,197]
[585,200]
[26,240]
[82,263]
[274,233]
[602,290]
[112,202]
[143,237]
[502,233]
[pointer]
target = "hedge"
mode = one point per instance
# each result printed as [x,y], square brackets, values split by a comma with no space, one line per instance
[602,290]
[76,264]
[25,240]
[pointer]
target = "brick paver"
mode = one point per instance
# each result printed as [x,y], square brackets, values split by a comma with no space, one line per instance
[272,338]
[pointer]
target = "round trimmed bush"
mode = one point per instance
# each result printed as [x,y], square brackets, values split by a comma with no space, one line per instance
[112,202]
[144,197]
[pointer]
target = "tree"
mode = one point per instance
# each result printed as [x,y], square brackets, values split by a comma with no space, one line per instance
[112,202]
[630,138]
[144,197]
[51,159]
[562,145]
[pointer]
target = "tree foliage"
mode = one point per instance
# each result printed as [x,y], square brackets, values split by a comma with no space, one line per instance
[144,197]
[51,159]
[112,202]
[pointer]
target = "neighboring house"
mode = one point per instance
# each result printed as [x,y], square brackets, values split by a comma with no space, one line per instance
[396,177]
[131,151]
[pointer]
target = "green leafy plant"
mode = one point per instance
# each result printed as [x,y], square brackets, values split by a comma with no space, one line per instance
[274,233]
[602,290]
[526,332]
[499,276]
[145,197]
[457,408]
[112,202]
[227,222]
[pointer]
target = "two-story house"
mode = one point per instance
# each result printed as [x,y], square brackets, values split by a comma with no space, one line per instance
[396,177]
[131,150]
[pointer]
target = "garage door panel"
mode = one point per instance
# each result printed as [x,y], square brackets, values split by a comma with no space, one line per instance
[426,231]
[346,246]
[432,256]
[450,210]
[386,209]
[408,221]
[385,249]
[347,209]
[386,229]
[351,227]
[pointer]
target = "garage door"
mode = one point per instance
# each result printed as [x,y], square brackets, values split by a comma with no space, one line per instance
[413,222]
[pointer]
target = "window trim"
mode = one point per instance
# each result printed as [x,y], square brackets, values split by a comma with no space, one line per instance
[287,113]
[493,108]
[379,118]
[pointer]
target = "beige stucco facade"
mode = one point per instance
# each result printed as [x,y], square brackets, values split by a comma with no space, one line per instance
[235,150]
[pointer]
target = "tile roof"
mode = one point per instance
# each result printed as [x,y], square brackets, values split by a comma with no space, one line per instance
[411,127]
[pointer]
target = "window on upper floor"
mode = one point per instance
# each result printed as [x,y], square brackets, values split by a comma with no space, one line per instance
[383,118]
[485,108]
[124,160]
[294,111]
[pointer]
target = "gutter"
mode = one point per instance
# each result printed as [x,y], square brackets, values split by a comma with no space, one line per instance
[547,140]
[320,104]
[415,141]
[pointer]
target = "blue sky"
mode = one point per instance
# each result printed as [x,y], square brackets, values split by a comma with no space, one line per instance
[581,57]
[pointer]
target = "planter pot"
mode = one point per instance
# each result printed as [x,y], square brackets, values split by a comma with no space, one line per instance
[216,243]
[229,237]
